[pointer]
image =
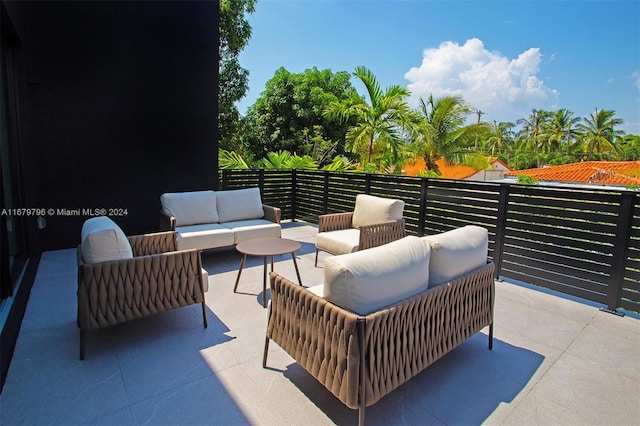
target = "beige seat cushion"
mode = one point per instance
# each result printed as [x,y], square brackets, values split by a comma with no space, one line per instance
[204,236]
[254,228]
[239,204]
[456,252]
[370,210]
[339,242]
[191,208]
[102,240]
[368,280]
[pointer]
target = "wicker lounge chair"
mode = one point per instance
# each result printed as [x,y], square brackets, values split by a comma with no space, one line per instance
[153,279]
[374,221]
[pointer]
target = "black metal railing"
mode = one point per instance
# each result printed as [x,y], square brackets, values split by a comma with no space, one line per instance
[581,242]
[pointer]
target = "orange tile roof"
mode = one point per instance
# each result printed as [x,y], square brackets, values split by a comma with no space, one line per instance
[600,172]
[447,171]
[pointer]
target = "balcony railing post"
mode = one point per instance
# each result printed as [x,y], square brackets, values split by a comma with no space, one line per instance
[294,194]
[620,251]
[423,205]
[501,222]
[325,193]
[225,178]
[367,184]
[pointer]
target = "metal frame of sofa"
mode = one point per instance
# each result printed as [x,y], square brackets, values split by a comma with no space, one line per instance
[359,358]
[158,278]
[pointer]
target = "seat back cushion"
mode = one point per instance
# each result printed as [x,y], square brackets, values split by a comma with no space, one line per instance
[102,240]
[370,210]
[191,208]
[456,252]
[367,280]
[239,204]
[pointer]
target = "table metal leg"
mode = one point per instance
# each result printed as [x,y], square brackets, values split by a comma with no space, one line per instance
[244,257]
[293,256]
[264,283]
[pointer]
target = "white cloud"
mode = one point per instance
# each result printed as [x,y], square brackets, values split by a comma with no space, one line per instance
[636,79]
[504,88]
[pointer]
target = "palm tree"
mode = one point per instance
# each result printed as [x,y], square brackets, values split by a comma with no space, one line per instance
[500,138]
[377,123]
[440,131]
[599,134]
[531,131]
[560,130]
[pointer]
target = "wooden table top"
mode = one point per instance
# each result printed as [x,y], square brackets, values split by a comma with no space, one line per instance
[268,246]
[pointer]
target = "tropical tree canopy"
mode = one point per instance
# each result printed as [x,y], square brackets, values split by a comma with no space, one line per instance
[288,115]
[379,123]
[235,33]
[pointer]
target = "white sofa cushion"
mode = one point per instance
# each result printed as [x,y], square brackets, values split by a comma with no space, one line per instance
[239,204]
[367,280]
[204,236]
[102,240]
[339,242]
[456,252]
[253,228]
[370,210]
[191,208]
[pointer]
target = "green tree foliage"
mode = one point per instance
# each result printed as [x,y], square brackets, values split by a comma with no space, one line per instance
[379,122]
[441,132]
[288,115]
[599,135]
[629,147]
[235,33]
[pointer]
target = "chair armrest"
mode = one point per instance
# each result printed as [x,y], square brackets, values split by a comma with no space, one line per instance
[159,242]
[320,336]
[335,221]
[167,221]
[113,292]
[271,213]
[381,233]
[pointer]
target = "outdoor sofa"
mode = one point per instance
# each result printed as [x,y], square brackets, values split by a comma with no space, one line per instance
[124,278]
[210,219]
[385,314]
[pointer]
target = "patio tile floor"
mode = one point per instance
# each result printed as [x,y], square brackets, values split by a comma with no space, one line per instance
[554,361]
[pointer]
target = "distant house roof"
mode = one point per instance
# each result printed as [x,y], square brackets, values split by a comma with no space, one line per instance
[596,172]
[448,171]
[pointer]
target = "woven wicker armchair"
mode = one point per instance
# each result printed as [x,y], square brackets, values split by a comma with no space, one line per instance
[156,279]
[375,221]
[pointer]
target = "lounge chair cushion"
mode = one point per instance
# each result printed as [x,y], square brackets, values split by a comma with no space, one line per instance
[340,241]
[210,235]
[253,228]
[456,252]
[191,208]
[370,210]
[102,240]
[367,280]
[239,204]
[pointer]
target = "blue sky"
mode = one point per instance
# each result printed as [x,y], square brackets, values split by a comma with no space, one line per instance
[504,57]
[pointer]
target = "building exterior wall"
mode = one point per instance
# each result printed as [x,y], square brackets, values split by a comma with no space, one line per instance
[119,104]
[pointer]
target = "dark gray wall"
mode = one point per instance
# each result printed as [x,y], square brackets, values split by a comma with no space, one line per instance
[118,105]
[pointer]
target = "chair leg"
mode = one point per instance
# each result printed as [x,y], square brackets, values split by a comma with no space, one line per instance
[316,264]
[491,336]
[82,342]
[204,314]
[266,351]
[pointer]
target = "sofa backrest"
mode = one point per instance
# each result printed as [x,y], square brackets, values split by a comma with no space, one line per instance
[367,280]
[370,210]
[191,208]
[239,204]
[102,240]
[456,252]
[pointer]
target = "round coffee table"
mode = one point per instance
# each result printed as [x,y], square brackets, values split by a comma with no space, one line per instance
[267,248]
